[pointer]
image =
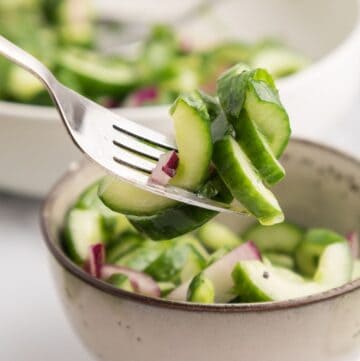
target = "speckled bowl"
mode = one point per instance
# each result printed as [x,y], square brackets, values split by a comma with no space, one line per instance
[322,188]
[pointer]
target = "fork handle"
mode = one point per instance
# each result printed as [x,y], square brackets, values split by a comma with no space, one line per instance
[22,58]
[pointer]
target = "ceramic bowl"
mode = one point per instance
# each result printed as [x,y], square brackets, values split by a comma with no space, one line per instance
[322,188]
[34,148]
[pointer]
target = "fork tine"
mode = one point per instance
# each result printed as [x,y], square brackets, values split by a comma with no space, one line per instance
[126,126]
[132,160]
[131,143]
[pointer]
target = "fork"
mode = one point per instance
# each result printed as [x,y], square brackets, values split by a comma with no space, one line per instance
[114,142]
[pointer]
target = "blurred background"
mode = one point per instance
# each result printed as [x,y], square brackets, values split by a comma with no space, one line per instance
[135,57]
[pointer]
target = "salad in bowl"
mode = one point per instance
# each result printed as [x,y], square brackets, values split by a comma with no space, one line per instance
[228,149]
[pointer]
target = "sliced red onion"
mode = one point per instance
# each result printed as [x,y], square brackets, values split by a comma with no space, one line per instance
[353,239]
[142,96]
[165,169]
[95,260]
[219,273]
[141,282]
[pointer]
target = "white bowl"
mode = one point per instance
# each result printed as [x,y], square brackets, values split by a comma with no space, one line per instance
[34,147]
[322,188]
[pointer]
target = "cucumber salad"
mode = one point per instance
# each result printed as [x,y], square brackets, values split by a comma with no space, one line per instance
[71,41]
[229,147]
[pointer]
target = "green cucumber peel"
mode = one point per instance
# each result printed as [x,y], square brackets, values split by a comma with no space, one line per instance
[201,290]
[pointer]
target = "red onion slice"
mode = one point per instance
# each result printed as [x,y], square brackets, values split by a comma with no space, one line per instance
[142,96]
[220,273]
[95,260]
[165,169]
[141,282]
[353,239]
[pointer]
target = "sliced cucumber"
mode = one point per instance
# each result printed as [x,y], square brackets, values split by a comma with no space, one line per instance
[83,228]
[99,75]
[256,282]
[23,85]
[254,91]
[308,252]
[219,124]
[74,18]
[281,260]
[125,198]
[121,281]
[122,245]
[244,182]
[335,265]
[178,263]
[115,223]
[278,60]
[144,255]
[182,218]
[201,290]
[280,238]
[195,243]
[166,288]
[168,266]
[193,137]
[264,108]
[195,263]
[258,150]
[215,236]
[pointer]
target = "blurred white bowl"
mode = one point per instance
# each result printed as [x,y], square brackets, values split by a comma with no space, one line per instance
[34,147]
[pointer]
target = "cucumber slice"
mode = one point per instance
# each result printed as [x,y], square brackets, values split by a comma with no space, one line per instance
[195,263]
[356,270]
[168,266]
[201,290]
[115,223]
[74,18]
[172,222]
[193,137]
[182,218]
[256,282]
[216,236]
[22,85]
[123,245]
[178,263]
[121,281]
[258,150]
[279,238]
[254,91]
[219,124]
[244,182]
[308,252]
[99,75]
[125,198]
[335,265]
[144,255]
[195,243]
[278,60]
[166,288]
[281,260]
[83,228]
[264,108]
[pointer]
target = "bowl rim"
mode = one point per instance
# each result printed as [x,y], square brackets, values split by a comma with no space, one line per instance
[102,286]
[49,113]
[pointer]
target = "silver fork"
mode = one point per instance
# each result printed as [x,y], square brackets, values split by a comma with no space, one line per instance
[112,141]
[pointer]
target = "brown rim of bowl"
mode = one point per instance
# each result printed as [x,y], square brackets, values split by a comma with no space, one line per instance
[76,271]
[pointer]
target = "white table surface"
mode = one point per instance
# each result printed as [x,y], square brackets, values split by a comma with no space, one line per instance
[32,325]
